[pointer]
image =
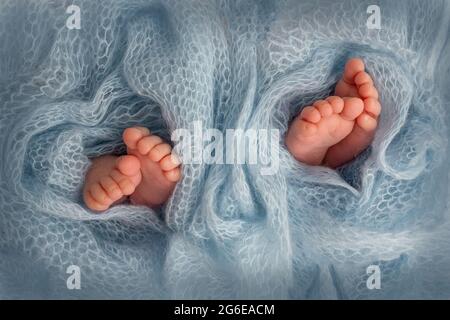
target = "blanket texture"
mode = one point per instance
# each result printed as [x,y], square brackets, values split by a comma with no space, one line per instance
[67,94]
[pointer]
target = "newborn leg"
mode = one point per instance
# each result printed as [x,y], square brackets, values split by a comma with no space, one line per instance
[109,180]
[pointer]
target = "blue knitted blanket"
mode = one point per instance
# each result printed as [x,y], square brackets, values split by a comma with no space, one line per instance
[75,74]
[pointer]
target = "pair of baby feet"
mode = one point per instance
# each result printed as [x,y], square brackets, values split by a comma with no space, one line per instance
[331,132]
[334,131]
[147,174]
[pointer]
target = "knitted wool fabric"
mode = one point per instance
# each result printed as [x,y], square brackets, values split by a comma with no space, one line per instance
[66,95]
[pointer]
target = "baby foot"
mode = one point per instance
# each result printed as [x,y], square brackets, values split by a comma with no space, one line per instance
[109,180]
[320,126]
[356,82]
[160,169]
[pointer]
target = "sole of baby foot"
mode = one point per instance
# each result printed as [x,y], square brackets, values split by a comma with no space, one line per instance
[160,168]
[359,138]
[110,180]
[356,82]
[320,126]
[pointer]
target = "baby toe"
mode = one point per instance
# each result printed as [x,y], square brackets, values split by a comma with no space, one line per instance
[131,136]
[111,188]
[159,151]
[352,68]
[325,109]
[148,143]
[92,204]
[173,175]
[372,106]
[368,90]
[310,114]
[99,195]
[353,107]
[126,185]
[363,78]
[169,162]
[128,165]
[337,103]
[366,122]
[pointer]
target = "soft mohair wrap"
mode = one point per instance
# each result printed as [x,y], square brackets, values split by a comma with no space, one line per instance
[67,94]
